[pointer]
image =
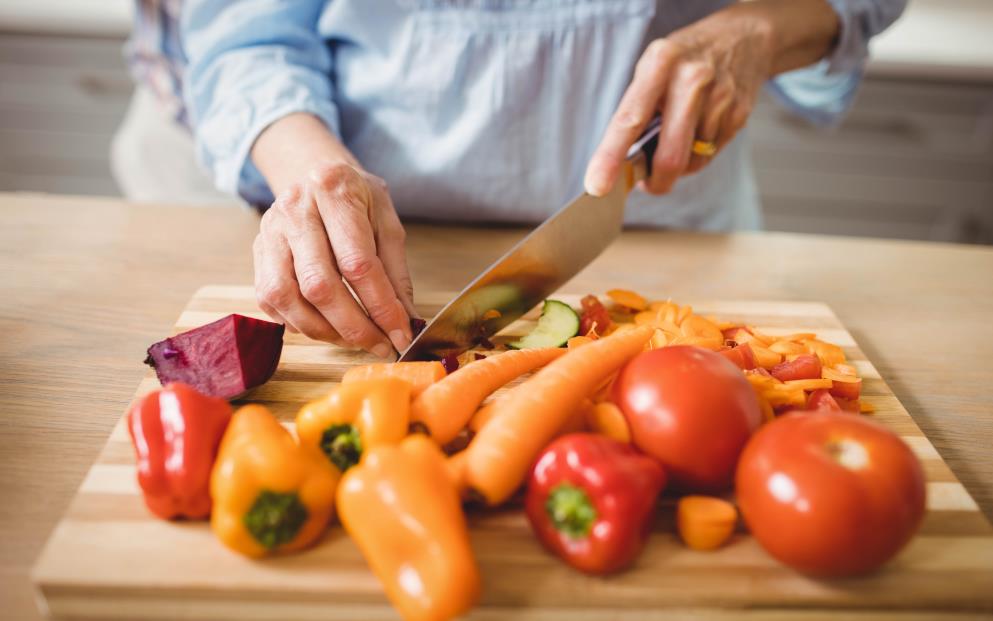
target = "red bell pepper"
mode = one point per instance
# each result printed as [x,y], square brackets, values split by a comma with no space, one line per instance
[176,432]
[590,500]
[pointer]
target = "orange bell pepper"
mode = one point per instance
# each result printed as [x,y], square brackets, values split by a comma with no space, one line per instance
[401,508]
[355,417]
[270,494]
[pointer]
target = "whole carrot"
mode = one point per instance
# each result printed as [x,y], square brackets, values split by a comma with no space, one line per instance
[526,419]
[447,405]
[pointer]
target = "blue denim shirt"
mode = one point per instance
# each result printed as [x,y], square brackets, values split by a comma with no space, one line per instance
[474,110]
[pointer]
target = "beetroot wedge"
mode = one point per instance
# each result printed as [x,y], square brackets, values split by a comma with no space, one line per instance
[221,359]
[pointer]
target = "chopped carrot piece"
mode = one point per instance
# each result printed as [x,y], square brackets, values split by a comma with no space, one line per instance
[606,418]
[645,317]
[846,369]
[865,407]
[763,339]
[419,374]
[838,376]
[705,522]
[628,299]
[797,336]
[659,305]
[577,341]
[768,414]
[787,348]
[492,314]
[806,384]
[684,313]
[659,340]
[829,353]
[764,357]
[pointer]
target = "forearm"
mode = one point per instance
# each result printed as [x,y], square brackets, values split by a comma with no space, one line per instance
[293,145]
[799,32]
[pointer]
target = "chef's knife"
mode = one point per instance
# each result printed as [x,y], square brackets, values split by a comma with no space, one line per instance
[536,266]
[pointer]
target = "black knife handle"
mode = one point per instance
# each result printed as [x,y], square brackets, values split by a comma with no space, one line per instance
[647,144]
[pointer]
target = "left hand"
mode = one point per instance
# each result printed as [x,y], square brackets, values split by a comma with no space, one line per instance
[703,79]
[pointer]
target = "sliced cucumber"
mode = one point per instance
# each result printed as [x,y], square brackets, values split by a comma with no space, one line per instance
[557,324]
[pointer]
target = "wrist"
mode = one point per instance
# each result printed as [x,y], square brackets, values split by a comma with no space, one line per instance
[294,146]
[797,32]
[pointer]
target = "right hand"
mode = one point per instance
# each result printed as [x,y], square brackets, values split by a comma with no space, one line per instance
[336,226]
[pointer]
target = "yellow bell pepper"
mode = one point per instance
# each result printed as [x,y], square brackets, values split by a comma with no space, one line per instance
[270,494]
[355,417]
[401,508]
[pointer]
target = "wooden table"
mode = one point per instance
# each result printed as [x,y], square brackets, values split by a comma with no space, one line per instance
[69,363]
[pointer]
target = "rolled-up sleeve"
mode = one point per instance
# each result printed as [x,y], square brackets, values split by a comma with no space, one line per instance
[251,62]
[823,92]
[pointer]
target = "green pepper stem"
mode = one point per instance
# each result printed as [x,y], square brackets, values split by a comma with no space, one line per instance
[571,511]
[343,445]
[275,518]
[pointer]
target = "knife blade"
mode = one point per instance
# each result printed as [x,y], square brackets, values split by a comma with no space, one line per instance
[555,251]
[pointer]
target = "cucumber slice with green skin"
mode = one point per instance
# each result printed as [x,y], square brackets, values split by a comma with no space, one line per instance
[558,323]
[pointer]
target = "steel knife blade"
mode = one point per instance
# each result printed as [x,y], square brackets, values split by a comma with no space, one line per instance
[555,251]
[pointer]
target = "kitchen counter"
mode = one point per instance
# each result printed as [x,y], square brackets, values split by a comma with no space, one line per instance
[939,39]
[89,283]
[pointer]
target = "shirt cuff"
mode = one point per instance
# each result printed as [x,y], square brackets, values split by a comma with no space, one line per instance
[238,174]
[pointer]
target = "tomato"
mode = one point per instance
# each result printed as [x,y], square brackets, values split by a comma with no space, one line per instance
[847,390]
[822,401]
[830,494]
[691,409]
[805,366]
[741,355]
[594,316]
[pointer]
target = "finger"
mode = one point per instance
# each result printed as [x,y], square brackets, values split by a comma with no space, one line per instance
[322,288]
[718,101]
[390,241]
[680,117]
[636,109]
[735,119]
[345,201]
[276,287]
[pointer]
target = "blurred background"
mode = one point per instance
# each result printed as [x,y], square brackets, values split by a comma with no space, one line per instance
[914,159]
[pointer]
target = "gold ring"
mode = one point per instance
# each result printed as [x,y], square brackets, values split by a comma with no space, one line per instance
[704,148]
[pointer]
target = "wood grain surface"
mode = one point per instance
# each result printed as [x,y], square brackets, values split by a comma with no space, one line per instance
[87,284]
[101,546]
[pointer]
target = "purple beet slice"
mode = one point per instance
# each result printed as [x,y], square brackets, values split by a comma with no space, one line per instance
[221,359]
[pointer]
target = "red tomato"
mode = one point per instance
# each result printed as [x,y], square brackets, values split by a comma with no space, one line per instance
[822,401]
[805,366]
[691,409]
[830,494]
[741,355]
[594,316]
[847,390]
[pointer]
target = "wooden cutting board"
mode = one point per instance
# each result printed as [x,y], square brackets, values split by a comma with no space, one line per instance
[110,559]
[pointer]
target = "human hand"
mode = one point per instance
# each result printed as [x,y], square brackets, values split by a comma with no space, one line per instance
[703,79]
[336,227]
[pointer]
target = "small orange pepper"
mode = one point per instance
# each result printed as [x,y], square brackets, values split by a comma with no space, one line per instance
[355,417]
[401,508]
[270,494]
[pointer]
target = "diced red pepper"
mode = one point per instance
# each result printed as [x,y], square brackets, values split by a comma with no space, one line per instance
[594,316]
[822,401]
[741,355]
[805,366]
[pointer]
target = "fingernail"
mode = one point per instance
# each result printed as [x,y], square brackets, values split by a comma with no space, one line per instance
[595,183]
[400,340]
[382,350]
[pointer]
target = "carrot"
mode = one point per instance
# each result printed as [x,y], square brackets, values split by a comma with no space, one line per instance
[445,407]
[705,522]
[419,374]
[606,419]
[455,465]
[499,457]
[628,299]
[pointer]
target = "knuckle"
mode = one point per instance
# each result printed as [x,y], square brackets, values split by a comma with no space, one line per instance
[697,73]
[355,267]
[669,163]
[658,52]
[630,117]
[330,175]
[355,335]
[277,293]
[315,287]
[287,199]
